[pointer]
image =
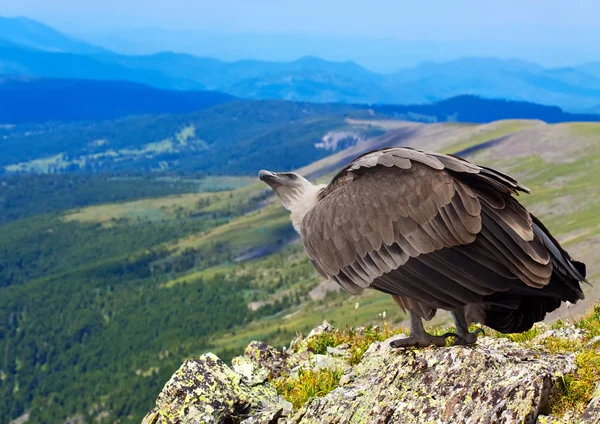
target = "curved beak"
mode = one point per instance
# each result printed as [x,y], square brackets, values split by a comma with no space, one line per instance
[270,178]
[264,175]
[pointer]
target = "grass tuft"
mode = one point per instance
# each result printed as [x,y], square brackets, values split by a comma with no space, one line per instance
[590,322]
[577,389]
[358,339]
[307,385]
[525,336]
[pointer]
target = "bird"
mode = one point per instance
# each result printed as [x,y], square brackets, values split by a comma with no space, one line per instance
[434,231]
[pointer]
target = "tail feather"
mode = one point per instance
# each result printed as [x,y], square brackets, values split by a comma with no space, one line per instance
[518,309]
[529,310]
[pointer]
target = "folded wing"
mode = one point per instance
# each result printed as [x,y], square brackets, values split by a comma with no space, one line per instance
[429,227]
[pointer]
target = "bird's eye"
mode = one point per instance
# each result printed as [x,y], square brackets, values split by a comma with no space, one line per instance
[292,176]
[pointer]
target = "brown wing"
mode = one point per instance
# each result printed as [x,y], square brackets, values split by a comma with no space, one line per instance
[427,226]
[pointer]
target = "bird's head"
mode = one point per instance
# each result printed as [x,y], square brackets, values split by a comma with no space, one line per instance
[297,194]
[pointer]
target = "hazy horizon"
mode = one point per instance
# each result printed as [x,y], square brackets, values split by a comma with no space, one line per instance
[384,36]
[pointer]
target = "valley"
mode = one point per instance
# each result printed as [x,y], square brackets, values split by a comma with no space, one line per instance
[104,300]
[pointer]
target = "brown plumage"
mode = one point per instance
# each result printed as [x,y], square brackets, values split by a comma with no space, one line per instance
[436,232]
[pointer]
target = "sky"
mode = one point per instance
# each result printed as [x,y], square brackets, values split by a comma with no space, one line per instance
[550,31]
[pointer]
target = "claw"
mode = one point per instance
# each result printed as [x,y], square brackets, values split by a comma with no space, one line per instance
[462,328]
[456,336]
[422,340]
[469,338]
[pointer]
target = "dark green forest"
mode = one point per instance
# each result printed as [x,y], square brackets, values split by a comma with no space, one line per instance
[26,195]
[86,321]
[233,138]
[221,132]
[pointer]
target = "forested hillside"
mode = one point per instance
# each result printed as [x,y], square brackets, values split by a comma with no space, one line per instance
[22,196]
[228,139]
[232,138]
[79,296]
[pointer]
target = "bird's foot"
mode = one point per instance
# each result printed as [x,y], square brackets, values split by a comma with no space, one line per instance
[468,338]
[422,340]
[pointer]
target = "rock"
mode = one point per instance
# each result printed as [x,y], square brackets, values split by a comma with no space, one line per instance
[328,362]
[549,419]
[593,342]
[566,333]
[294,344]
[268,417]
[592,412]
[318,362]
[340,350]
[494,381]
[205,390]
[267,357]
[323,328]
[250,371]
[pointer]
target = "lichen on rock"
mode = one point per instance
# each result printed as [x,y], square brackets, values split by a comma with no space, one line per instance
[206,390]
[592,412]
[495,381]
[266,357]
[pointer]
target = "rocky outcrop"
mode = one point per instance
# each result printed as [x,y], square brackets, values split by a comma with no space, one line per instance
[206,390]
[495,381]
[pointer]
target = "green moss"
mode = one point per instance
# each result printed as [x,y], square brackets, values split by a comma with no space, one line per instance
[577,389]
[308,384]
[319,344]
[591,322]
[358,340]
[525,336]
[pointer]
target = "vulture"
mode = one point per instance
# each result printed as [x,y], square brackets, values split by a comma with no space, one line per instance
[435,231]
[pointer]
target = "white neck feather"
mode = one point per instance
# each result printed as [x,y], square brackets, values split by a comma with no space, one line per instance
[301,203]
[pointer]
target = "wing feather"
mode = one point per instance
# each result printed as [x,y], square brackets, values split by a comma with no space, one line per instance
[432,228]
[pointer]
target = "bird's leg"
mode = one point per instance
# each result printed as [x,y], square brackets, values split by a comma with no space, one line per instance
[419,337]
[462,328]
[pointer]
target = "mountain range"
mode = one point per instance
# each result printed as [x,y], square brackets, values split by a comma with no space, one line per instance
[28,99]
[28,48]
[32,34]
[135,233]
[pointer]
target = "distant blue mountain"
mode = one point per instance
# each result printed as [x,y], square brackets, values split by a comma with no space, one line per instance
[15,60]
[214,73]
[475,109]
[36,100]
[29,33]
[40,100]
[32,49]
[317,80]
[305,79]
[570,88]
